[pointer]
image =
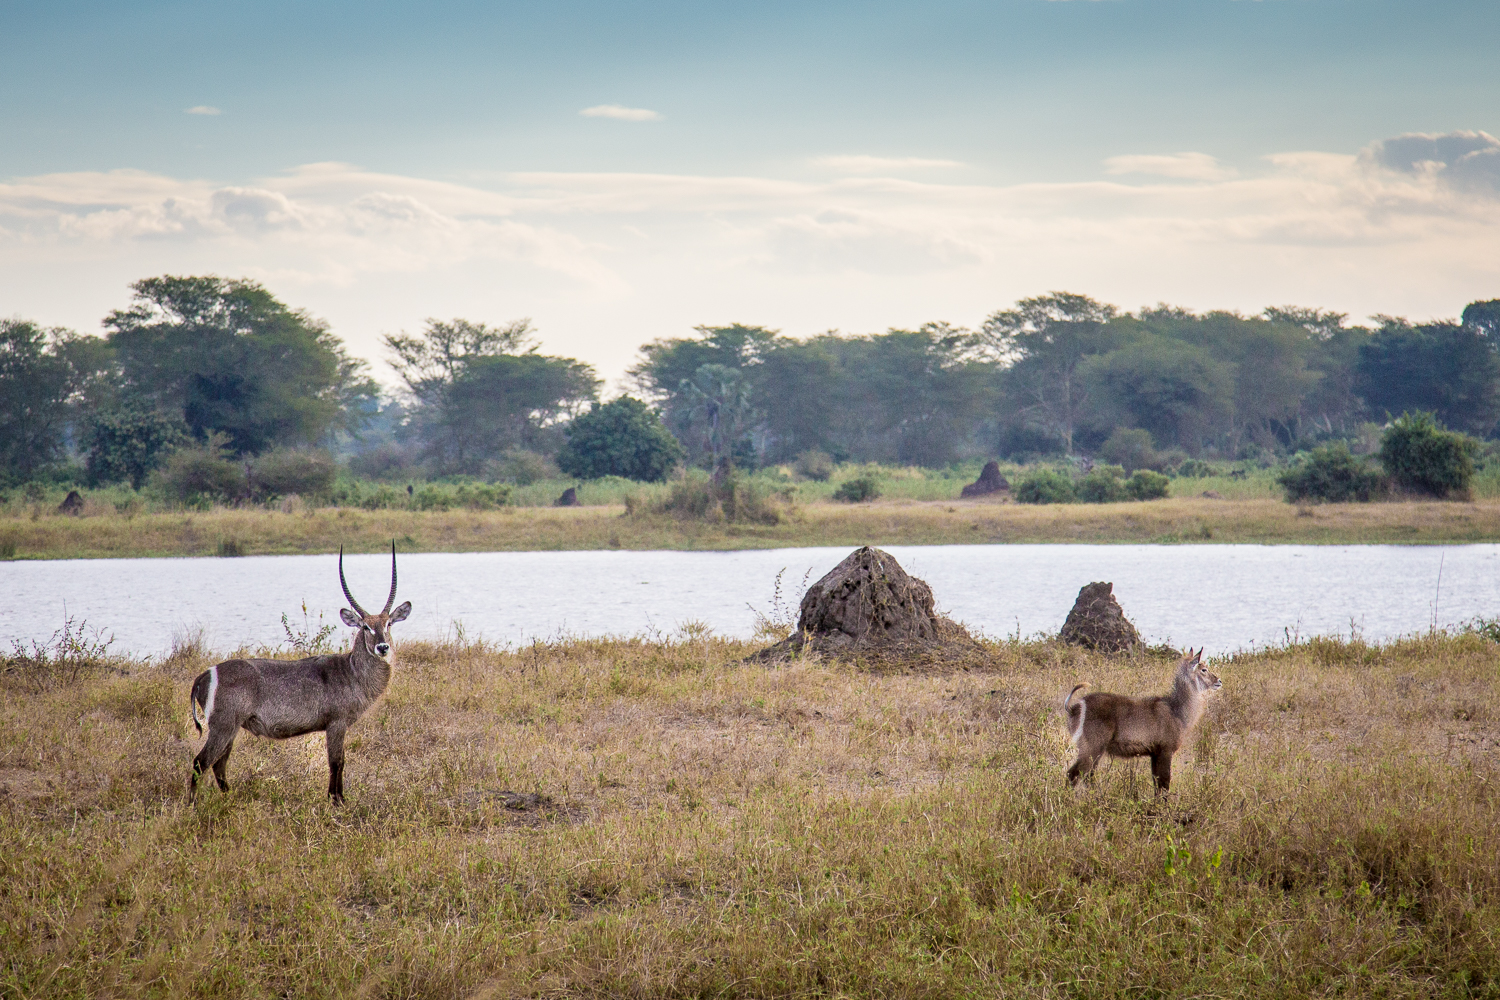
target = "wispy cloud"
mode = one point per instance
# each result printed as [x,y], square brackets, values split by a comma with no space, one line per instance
[621,113]
[1179,166]
[859,164]
[202,109]
[606,261]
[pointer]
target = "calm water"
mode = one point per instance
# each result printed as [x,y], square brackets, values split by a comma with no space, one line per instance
[1225,597]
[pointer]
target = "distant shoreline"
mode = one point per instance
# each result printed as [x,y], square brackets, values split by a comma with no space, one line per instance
[1176,520]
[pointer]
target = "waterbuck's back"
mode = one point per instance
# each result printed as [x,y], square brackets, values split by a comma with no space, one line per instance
[1130,727]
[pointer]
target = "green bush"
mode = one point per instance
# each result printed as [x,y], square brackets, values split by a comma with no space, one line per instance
[1045,486]
[1102,484]
[1144,484]
[1329,473]
[623,437]
[283,472]
[124,444]
[814,465]
[474,496]
[1419,454]
[1195,468]
[858,490]
[382,498]
[1131,448]
[202,474]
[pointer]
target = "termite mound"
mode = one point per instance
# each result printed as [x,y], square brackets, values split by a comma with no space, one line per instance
[870,610]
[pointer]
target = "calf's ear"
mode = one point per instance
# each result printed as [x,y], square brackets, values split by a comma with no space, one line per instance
[399,615]
[350,618]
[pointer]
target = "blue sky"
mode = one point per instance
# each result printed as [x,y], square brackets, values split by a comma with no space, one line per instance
[803,165]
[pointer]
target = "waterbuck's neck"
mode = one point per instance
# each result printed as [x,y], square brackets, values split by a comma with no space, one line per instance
[1187,699]
[371,673]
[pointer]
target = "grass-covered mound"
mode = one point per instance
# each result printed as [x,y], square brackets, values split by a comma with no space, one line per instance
[657,818]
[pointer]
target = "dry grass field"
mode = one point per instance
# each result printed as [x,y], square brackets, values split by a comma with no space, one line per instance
[899,522]
[657,819]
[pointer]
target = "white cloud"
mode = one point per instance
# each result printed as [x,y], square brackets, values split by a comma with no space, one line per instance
[606,261]
[202,109]
[879,164]
[1179,166]
[621,113]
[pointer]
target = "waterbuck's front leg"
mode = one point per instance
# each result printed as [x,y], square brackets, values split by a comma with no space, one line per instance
[335,737]
[1161,769]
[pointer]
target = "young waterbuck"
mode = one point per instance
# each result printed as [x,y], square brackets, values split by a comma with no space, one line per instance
[284,698]
[1122,726]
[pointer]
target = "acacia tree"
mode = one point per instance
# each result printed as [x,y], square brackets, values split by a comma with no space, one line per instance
[1045,341]
[478,390]
[229,357]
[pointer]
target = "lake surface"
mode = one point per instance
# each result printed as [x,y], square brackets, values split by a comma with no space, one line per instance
[1225,597]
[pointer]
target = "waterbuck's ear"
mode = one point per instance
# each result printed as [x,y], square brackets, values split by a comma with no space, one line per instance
[399,615]
[350,618]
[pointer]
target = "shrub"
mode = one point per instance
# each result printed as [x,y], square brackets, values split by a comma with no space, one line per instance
[1195,468]
[383,498]
[1102,484]
[1329,473]
[816,465]
[728,496]
[201,474]
[1045,486]
[623,437]
[128,442]
[1419,454]
[1131,448]
[283,472]
[858,490]
[1144,484]
[440,496]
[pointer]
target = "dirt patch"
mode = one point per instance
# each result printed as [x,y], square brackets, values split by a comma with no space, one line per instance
[523,808]
[1098,622]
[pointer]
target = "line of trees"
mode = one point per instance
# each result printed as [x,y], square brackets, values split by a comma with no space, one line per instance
[220,365]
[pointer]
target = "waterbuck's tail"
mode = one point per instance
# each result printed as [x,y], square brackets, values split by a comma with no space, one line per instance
[200,696]
[1075,711]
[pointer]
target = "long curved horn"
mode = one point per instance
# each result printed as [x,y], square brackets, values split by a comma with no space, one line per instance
[343,583]
[391,599]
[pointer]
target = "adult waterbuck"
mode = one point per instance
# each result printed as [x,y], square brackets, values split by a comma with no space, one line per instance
[1122,726]
[284,698]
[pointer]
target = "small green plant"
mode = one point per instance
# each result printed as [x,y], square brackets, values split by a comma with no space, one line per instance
[197,476]
[7,548]
[725,497]
[780,620]
[1045,486]
[310,639]
[74,650]
[858,490]
[230,548]
[1329,473]
[1419,454]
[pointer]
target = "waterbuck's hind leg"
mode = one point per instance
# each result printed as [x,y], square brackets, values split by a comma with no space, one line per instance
[1161,769]
[1083,767]
[221,765]
[335,738]
[212,756]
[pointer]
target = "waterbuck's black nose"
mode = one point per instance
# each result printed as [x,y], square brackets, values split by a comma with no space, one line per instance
[382,648]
